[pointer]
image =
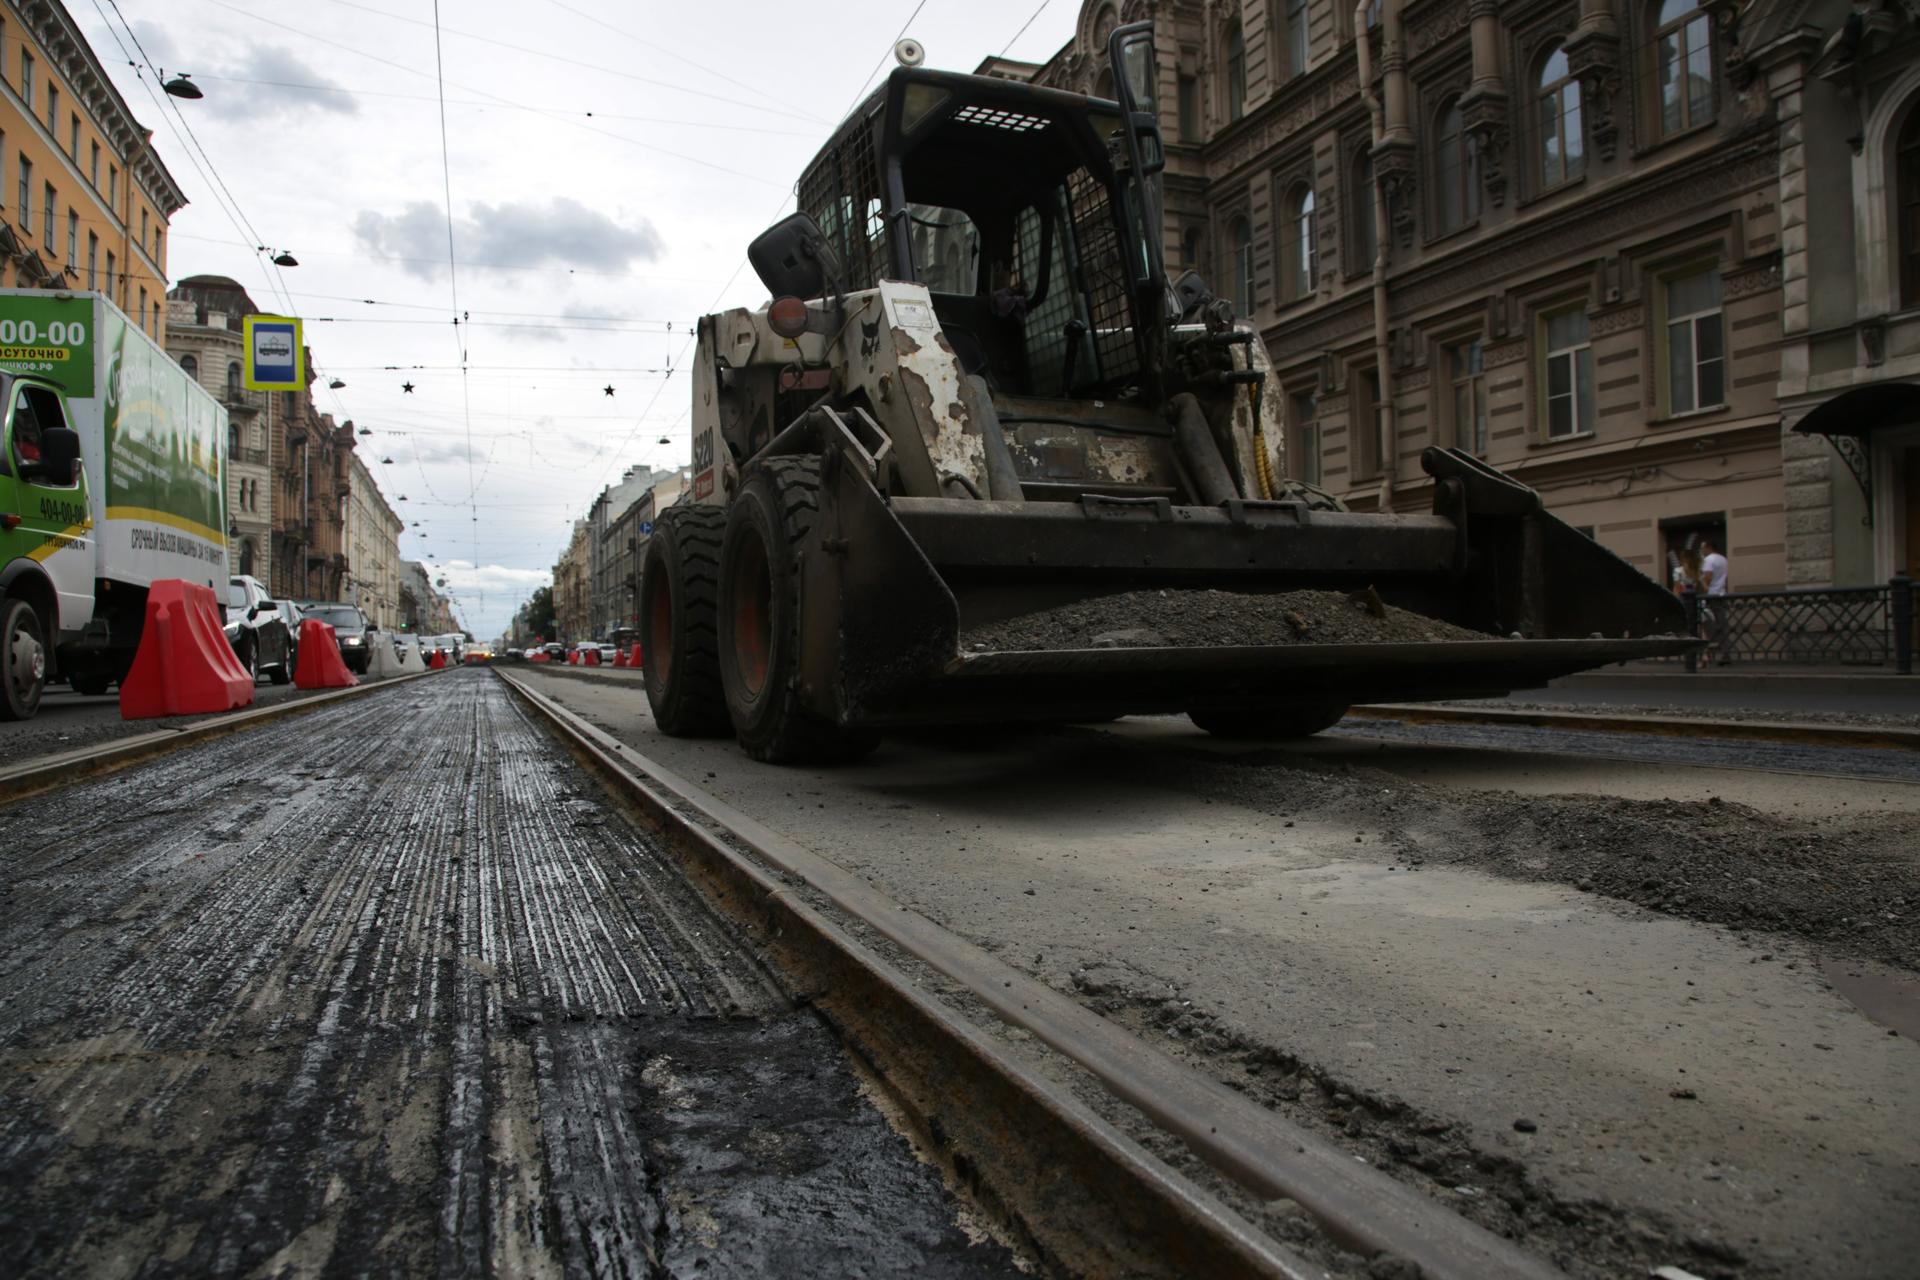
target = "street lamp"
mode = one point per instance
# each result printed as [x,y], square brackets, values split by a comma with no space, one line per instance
[181,87]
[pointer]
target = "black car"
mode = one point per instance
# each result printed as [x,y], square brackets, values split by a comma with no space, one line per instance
[258,633]
[350,628]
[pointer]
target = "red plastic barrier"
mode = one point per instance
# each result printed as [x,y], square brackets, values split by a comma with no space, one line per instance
[593,657]
[619,657]
[540,656]
[184,665]
[439,660]
[573,657]
[320,666]
[633,659]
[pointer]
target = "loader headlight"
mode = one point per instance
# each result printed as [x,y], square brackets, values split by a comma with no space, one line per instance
[787,317]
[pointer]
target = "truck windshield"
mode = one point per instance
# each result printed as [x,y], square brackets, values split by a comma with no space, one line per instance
[236,595]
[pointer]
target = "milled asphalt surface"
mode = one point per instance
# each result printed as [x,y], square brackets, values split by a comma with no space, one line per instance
[386,990]
[1618,1087]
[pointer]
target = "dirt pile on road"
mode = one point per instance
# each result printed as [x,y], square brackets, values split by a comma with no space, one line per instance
[1197,619]
[1848,883]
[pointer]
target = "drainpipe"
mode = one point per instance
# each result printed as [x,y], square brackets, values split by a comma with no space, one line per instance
[1382,229]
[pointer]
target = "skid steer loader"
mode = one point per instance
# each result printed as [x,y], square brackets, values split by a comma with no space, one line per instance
[975,395]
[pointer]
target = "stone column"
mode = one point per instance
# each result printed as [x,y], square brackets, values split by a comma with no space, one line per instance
[1483,110]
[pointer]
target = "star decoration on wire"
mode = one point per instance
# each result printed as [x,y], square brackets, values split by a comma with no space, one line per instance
[608,388]
[407,387]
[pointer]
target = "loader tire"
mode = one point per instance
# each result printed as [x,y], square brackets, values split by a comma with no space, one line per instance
[760,620]
[1257,721]
[680,651]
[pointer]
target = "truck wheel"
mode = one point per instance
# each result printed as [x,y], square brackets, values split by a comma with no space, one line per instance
[90,684]
[760,620]
[1269,721]
[679,593]
[23,660]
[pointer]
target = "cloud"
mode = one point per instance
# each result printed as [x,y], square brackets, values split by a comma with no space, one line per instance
[432,452]
[277,81]
[498,581]
[563,232]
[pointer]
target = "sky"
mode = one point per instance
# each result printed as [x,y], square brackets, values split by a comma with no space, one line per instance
[606,163]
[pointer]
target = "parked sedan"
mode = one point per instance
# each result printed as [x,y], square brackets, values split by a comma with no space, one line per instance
[350,628]
[259,635]
[291,612]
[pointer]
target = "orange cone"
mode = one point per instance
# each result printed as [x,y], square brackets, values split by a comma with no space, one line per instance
[619,657]
[593,657]
[320,666]
[439,661]
[184,665]
[633,659]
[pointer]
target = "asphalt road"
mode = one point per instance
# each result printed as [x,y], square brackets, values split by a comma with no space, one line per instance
[1356,933]
[386,990]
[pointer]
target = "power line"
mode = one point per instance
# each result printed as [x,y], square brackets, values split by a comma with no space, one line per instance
[1023,27]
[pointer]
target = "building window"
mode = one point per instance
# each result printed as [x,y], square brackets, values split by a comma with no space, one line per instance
[112,277]
[73,237]
[1457,180]
[1303,408]
[140,315]
[1466,369]
[1188,106]
[1696,343]
[1685,54]
[233,382]
[26,79]
[1366,247]
[1297,46]
[191,366]
[1562,148]
[48,199]
[53,113]
[93,165]
[143,228]
[1236,72]
[93,259]
[1239,270]
[1907,158]
[1297,253]
[73,138]
[156,244]
[26,193]
[1569,374]
[1192,248]
[113,188]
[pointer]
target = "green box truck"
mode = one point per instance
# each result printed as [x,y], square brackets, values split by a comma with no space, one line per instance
[112,476]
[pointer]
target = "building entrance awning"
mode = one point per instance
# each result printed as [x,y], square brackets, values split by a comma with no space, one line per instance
[1850,420]
[1862,411]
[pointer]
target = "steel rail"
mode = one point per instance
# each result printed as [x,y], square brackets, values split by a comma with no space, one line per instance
[48,772]
[1359,1207]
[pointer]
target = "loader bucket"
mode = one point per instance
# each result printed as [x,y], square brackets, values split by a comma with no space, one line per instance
[893,589]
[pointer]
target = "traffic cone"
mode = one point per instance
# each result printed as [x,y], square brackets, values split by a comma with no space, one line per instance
[633,659]
[184,665]
[619,657]
[439,660]
[593,657]
[320,666]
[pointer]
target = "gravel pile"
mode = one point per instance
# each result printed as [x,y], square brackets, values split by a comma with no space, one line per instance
[1196,619]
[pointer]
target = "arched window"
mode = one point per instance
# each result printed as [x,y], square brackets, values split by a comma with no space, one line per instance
[1457,178]
[1907,160]
[191,367]
[1365,247]
[1239,272]
[1297,255]
[1236,72]
[233,437]
[247,554]
[233,380]
[1685,56]
[1562,147]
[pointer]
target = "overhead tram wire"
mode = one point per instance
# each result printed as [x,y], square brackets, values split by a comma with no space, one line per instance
[453,288]
[212,169]
[1031,19]
[233,215]
[551,115]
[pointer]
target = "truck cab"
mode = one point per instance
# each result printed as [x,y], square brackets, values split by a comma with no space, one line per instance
[46,540]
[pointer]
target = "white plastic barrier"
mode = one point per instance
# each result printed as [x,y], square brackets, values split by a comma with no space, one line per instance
[410,659]
[381,661]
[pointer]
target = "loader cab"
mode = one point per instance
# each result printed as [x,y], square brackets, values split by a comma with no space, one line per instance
[1030,214]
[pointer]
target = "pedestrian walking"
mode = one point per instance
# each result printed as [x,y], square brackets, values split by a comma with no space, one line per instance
[1713,579]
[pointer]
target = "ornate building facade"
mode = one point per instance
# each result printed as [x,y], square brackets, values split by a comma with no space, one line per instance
[373,531]
[204,319]
[1549,232]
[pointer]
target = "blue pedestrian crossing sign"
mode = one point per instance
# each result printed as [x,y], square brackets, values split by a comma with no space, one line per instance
[276,358]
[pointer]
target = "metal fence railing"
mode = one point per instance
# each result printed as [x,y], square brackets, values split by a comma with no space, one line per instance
[1829,626]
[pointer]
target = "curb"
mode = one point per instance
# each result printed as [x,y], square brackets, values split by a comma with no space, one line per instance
[48,772]
[1788,731]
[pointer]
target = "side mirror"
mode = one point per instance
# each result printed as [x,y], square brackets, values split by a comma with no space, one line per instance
[265,606]
[792,259]
[59,456]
